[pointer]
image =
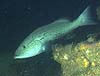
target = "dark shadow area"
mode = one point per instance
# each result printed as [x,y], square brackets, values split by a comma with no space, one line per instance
[38,66]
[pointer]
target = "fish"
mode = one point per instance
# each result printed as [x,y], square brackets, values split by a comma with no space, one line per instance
[36,42]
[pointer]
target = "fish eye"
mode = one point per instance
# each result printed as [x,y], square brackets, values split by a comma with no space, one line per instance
[24,46]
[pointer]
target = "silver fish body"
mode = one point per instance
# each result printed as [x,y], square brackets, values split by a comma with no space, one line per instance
[35,43]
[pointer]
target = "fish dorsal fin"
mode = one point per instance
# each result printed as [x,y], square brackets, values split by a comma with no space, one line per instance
[61,20]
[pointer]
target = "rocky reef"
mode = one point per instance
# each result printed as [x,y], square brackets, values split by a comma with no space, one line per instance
[81,59]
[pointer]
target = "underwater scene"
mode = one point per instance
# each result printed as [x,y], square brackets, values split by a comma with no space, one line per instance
[49,37]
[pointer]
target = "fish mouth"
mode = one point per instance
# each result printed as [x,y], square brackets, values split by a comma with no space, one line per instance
[19,57]
[22,56]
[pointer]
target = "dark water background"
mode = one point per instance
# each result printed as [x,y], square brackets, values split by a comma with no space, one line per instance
[18,18]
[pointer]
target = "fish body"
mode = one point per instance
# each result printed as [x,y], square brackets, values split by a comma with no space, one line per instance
[36,42]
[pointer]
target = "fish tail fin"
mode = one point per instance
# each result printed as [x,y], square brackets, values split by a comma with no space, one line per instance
[88,17]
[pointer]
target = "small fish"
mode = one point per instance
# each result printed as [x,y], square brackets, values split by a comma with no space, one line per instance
[36,42]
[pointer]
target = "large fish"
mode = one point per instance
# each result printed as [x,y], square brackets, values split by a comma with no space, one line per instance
[36,42]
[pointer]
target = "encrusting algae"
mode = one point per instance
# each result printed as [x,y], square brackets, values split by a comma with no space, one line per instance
[81,60]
